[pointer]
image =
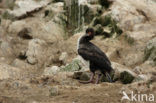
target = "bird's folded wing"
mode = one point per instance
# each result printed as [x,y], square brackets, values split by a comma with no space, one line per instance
[94,56]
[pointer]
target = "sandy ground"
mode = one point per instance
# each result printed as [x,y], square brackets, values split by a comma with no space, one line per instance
[50,91]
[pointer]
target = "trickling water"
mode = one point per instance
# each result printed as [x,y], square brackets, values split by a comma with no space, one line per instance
[75,13]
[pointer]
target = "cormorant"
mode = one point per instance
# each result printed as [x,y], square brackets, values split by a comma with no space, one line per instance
[96,57]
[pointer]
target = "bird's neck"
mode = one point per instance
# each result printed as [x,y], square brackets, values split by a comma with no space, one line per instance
[82,40]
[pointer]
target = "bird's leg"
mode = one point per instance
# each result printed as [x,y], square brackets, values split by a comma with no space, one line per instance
[97,80]
[90,80]
[109,77]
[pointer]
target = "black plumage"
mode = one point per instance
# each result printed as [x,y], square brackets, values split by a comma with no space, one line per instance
[96,57]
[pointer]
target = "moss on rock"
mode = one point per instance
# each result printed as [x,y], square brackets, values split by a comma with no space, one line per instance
[98,29]
[7,15]
[150,51]
[107,22]
[126,77]
[129,39]
[73,66]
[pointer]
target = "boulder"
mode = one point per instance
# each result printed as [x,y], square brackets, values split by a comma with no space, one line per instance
[6,48]
[21,64]
[25,7]
[73,66]
[63,57]
[49,71]
[142,77]
[98,29]
[140,17]
[7,71]
[10,4]
[36,52]
[54,91]
[17,26]
[132,59]
[84,76]
[122,73]
[111,27]
[25,33]
[35,28]
[150,51]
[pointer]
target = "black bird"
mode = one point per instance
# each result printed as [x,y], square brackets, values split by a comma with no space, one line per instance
[96,57]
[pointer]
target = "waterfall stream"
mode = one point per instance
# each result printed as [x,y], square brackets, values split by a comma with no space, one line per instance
[75,10]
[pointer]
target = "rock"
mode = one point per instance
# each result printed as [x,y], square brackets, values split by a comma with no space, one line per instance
[137,14]
[17,26]
[22,55]
[93,1]
[112,53]
[91,11]
[8,16]
[5,23]
[150,51]
[133,59]
[49,71]
[54,91]
[36,51]
[137,70]
[21,64]
[142,77]
[7,71]
[105,3]
[25,7]
[63,57]
[6,48]
[52,31]
[82,75]
[126,77]
[73,66]
[109,23]
[98,29]
[124,74]
[58,0]
[25,33]
[82,63]
[7,4]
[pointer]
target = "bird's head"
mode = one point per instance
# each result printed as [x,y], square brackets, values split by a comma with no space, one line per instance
[90,33]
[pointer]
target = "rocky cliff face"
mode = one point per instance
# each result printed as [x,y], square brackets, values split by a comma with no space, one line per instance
[38,57]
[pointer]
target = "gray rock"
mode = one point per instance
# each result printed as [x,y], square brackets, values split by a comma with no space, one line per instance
[122,73]
[126,77]
[73,66]
[54,91]
[21,64]
[142,77]
[27,6]
[35,53]
[49,71]
[63,57]
[82,75]
[150,51]
[7,71]
[6,48]
[98,29]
